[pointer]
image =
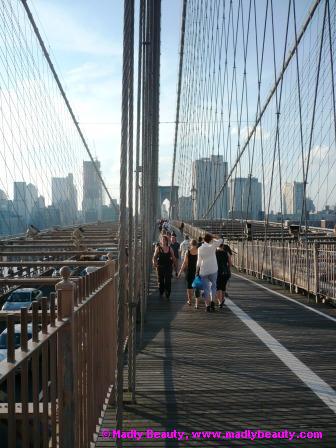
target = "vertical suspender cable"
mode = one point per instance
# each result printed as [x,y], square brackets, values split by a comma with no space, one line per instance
[138,252]
[304,207]
[143,170]
[122,216]
[147,171]
[131,252]
[179,83]
[150,134]
[156,107]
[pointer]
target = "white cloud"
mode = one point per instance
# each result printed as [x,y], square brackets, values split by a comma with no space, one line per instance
[244,132]
[67,33]
[318,153]
[90,71]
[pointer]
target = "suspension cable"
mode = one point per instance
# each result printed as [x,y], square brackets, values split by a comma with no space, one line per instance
[63,94]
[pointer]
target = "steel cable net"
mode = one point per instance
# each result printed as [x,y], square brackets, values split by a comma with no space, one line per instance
[41,153]
[256,136]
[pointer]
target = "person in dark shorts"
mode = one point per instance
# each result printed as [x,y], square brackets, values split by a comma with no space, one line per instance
[163,260]
[223,255]
[189,266]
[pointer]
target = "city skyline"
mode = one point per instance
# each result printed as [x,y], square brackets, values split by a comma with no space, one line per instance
[10,195]
[27,206]
[242,198]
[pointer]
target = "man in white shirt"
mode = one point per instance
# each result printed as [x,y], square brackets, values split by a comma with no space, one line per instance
[208,268]
[184,246]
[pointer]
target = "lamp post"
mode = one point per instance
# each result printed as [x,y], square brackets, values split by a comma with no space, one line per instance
[193,192]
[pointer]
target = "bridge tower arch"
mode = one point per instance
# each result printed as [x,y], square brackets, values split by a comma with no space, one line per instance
[167,192]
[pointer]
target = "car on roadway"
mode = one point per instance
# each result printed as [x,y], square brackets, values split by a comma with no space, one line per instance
[3,354]
[22,298]
[105,251]
[56,273]
[17,337]
[90,269]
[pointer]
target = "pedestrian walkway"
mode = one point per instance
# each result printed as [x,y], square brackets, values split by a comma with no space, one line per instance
[263,362]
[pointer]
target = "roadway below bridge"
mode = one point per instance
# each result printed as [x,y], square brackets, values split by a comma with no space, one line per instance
[265,362]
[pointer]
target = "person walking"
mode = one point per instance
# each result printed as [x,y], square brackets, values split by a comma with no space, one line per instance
[189,265]
[163,260]
[184,246]
[223,255]
[207,268]
[175,245]
[169,236]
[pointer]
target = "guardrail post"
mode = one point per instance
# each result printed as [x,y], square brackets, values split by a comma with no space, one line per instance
[66,365]
[271,261]
[253,258]
[316,272]
[240,255]
[290,268]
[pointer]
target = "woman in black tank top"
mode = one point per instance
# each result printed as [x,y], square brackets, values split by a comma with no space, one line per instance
[189,266]
[163,260]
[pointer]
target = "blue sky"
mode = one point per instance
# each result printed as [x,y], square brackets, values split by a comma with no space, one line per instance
[85,42]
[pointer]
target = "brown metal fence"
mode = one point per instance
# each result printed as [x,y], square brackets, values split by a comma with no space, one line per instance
[308,266]
[53,387]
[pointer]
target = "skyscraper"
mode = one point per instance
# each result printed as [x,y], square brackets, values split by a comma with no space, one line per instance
[64,198]
[32,196]
[92,192]
[185,208]
[293,194]
[298,195]
[245,198]
[208,176]
[19,201]
[287,198]
[25,198]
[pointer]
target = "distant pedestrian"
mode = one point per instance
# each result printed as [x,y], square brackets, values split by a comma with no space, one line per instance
[189,266]
[32,231]
[207,268]
[175,245]
[184,246]
[224,272]
[182,227]
[163,261]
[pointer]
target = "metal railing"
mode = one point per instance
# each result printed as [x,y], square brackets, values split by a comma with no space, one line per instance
[54,385]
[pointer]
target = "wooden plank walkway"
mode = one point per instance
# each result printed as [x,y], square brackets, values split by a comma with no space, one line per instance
[202,371]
